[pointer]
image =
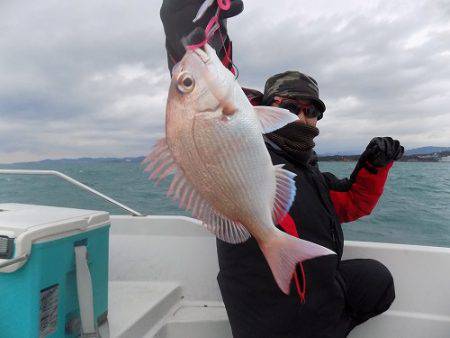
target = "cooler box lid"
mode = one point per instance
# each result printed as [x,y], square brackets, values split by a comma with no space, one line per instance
[27,224]
[19,218]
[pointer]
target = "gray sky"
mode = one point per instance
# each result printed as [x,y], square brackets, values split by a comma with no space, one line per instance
[89,78]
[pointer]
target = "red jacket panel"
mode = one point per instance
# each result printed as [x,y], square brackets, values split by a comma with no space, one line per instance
[363,195]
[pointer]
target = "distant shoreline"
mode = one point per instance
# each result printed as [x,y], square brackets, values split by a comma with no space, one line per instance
[437,157]
[424,154]
[434,157]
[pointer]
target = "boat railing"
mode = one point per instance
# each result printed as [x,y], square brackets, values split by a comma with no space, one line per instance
[73,182]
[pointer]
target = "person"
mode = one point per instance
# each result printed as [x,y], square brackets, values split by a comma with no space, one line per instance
[328,296]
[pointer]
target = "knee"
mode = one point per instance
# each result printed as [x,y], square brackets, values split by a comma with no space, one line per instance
[388,298]
[384,283]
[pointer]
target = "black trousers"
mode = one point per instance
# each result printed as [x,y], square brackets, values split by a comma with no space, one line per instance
[369,291]
[365,289]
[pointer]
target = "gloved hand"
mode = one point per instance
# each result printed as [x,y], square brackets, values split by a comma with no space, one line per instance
[383,150]
[177,17]
[379,153]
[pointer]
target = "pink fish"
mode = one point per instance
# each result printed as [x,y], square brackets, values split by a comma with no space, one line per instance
[222,171]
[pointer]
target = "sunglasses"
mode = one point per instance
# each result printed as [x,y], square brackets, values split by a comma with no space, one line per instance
[296,107]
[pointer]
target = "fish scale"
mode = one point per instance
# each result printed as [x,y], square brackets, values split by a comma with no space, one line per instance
[226,168]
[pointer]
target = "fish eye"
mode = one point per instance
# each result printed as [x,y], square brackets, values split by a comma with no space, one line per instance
[186,82]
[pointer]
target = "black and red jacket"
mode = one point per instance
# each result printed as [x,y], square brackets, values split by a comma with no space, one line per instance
[256,307]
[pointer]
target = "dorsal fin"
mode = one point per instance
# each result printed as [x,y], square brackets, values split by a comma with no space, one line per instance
[160,164]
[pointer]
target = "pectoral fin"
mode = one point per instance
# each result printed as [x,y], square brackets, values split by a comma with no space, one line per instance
[273,118]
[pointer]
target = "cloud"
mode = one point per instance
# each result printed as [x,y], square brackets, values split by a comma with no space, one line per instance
[382,67]
[80,79]
[90,78]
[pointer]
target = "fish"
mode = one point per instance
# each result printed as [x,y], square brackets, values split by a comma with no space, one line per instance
[221,169]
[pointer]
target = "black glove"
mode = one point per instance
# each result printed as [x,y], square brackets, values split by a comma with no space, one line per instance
[379,153]
[383,150]
[177,17]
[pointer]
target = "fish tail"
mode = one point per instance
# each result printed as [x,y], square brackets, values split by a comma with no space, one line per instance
[284,251]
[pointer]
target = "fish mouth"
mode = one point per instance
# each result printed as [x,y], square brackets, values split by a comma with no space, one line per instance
[196,41]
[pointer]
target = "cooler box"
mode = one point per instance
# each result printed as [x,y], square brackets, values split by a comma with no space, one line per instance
[53,262]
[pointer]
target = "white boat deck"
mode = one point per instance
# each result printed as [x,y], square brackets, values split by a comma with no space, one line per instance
[163,283]
[137,306]
[157,309]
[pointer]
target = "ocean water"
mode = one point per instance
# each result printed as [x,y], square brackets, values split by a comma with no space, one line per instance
[414,209]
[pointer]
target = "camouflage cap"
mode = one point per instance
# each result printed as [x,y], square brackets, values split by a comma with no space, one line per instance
[295,85]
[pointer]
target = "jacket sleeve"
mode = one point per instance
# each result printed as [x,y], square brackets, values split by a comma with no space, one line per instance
[356,197]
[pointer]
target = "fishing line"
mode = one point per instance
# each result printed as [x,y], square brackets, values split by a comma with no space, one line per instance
[227,55]
[211,28]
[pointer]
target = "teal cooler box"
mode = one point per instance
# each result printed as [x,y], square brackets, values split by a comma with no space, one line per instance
[53,271]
